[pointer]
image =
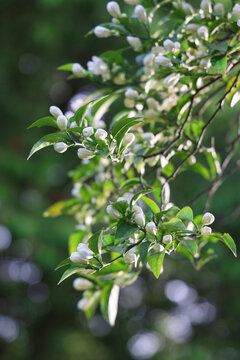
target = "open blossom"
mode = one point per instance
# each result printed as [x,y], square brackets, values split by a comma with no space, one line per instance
[113,9]
[236,10]
[113,212]
[130,256]
[203,32]
[206,6]
[98,67]
[102,32]
[101,134]
[134,42]
[151,228]
[162,60]
[85,153]
[55,111]
[208,218]
[81,284]
[171,46]
[78,70]
[167,239]
[139,219]
[62,122]
[206,231]
[141,14]
[60,147]
[88,131]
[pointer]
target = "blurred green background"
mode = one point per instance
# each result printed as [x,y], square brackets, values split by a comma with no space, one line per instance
[185,314]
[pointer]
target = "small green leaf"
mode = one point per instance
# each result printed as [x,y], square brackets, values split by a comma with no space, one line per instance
[45,121]
[109,302]
[92,304]
[143,250]
[121,127]
[228,240]
[191,245]
[83,110]
[48,140]
[219,65]
[185,213]
[66,67]
[69,272]
[155,262]
[121,206]
[138,196]
[151,204]
[124,231]
[95,242]
[63,263]
[131,182]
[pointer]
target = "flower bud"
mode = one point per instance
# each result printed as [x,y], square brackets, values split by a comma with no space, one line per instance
[88,131]
[132,2]
[85,153]
[141,14]
[113,9]
[151,228]
[130,256]
[206,6]
[102,32]
[218,8]
[131,94]
[171,46]
[62,122]
[187,8]
[78,70]
[55,111]
[171,80]
[113,212]
[84,251]
[81,284]
[129,103]
[167,239]
[101,134]
[137,210]
[128,139]
[236,10]
[75,257]
[139,219]
[73,124]
[134,42]
[206,231]
[60,147]
[82,304]
[192,27]
[162,60]
[205,63]
[208,218]
[203,32]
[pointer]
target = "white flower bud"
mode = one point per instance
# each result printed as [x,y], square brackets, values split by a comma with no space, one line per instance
[132,2]
[141,14]
[82,304]
[128,139]
[84,252]
[88,131]
[113,212]
[203,32]
[218,8]
[101,134]
[139,219]
[205,63]
[102,32]
[55,111]
[137,210]
[73,124]
[78,70]
[171,46]
[206,231]
[134,42]
[85,153]
[187,8]
[208,218]
[62,122]
[192,27]
[151,228]
[129,103]
[162,60]
[75,257]
[206,6]
[113,9]
[171,80]
[167,239]
[236,10]
[60,147]
[130,256]
[81,284]
[131,94]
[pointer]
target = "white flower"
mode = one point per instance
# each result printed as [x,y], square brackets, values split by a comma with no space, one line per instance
[113,212]
[84,252]
[158,50]
[206,231]
[152,104]
[129,103]
[219,8]
[151,228]
[113,9]
[130,256]
[75,257]
[131,94]
[149,138]
[73,124]
[128,139]
[167,239]
[208,218]
[187,8]
[203,32]
[137,210]
[102,32]
[98,67]
[141,14]
[238,22]
[192,27]
[78,70]
[206,6]
[205,63]
[132,2]
[85,153]
[83,304]
[134,42]
[171,46]
[81,284]
[60,147]
[171,80]
[101,134]
[139,219]
[88,131]
[162,60]
[236,10]
[55,111]
[62,122]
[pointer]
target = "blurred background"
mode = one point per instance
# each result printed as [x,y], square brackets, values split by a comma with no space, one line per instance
[185,314]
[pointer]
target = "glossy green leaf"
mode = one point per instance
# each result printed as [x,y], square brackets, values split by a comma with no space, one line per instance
[228,240]
[45,121]
[185,213]
[151,204]
[155,262]
[124,231]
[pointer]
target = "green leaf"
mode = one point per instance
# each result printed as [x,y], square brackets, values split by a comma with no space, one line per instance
[83,110]
[124,231]
[62,207]
[95,242]
[121,206]
[48,140]
[93,300]
[143,250]
[122,126]
[228,240]
[66,67]
[63,263]
[131,182]
[219,65]
[185,213]
[69,272]
[151,204]
[116,266]
[109,302]
[45,121]
[191,245]
[155,262]
[138,196]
